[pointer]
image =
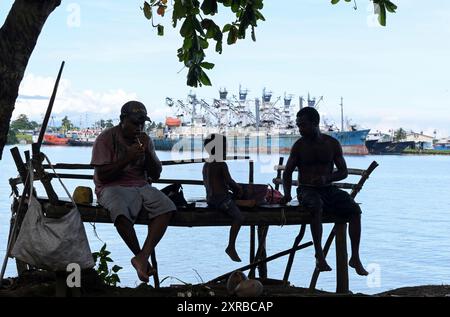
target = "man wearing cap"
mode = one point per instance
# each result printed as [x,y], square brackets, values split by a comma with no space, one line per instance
[124,159]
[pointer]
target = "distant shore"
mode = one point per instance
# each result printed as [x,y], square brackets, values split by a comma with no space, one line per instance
[426,152]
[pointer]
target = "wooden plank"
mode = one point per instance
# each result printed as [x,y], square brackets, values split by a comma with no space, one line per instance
[69,166]
[279,181]
[351,171]
[200,217]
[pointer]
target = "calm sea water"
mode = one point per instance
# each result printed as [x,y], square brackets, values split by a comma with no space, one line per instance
[405,239]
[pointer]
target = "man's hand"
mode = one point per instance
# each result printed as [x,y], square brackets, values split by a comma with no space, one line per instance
[144,140]
[285,199]
[135,152]
[239,191]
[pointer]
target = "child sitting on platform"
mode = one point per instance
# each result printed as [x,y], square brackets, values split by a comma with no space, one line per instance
[218,182]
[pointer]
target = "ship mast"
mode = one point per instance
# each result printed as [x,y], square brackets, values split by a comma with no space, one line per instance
[342,114]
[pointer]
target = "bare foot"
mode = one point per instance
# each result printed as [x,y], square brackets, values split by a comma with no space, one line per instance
[359,268]
[322,265]
[141,268]
[233,254]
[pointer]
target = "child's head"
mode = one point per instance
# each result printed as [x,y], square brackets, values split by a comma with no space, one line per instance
[216,146]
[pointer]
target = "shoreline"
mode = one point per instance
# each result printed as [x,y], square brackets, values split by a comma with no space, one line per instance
[42,284]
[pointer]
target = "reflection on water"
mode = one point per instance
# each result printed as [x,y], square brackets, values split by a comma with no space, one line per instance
[405,239]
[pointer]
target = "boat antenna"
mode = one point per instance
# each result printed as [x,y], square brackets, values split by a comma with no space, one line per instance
[342,114]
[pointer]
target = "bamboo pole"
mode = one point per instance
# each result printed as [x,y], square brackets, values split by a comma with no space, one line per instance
[268,259]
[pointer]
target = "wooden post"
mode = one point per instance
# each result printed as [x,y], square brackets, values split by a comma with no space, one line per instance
[252,227]
[297,241]
[261,254]
[326,248]
[155,266]
[342,285]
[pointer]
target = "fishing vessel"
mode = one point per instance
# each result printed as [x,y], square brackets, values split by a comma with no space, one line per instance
[263,125]
[382,143]
[55,139]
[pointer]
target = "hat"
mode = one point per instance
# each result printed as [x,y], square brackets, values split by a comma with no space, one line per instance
[135,110]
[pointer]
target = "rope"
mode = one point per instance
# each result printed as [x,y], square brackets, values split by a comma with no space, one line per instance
[70,196]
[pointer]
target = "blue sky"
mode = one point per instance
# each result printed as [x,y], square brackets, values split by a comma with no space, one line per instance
[390,77]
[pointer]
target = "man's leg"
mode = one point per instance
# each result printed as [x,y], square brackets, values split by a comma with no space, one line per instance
[126,230]
[233,210]
[312,201]
[231,248]
[156,230]
[354,230]
[316,232]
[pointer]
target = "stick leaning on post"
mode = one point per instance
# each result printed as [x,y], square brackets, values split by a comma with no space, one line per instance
[37,165]
[36,147]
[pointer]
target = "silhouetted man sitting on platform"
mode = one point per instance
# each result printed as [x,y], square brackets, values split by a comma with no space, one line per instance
[315,155]
[124,158]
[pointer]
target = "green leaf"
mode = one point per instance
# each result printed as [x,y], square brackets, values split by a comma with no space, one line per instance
[204,79]
[204,43]
[391,7]
[209,7]
[197,26]
[219,47]
[207,65]
[187,28]
[226,28]
[382,15]
[116,268]
[147,10]
[107,259]
[103,248]
[160,30]
[253,34]
[232,35]
[334,1]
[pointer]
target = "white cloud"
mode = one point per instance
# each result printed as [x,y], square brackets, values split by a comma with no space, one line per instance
[69,100]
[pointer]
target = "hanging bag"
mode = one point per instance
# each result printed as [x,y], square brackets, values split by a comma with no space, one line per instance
[52,243]
[273,196]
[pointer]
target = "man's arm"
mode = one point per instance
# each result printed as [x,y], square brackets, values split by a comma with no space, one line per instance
[287,174]
[341,166]
[230,181]
[152,162]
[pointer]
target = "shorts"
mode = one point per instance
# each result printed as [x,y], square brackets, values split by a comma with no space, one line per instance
[228,206]
[130,201]
[330,199]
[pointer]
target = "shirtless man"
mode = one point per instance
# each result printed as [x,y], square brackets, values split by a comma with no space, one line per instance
[218,182]
[315,155]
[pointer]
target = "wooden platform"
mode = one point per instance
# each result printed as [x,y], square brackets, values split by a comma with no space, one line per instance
[201,215]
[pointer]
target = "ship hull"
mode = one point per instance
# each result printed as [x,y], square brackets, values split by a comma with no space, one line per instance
[388,147]
[352,143]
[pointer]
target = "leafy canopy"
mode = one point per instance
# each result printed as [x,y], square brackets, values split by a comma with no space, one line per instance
[198,31]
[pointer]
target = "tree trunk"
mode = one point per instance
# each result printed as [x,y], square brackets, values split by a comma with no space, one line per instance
[18,37]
